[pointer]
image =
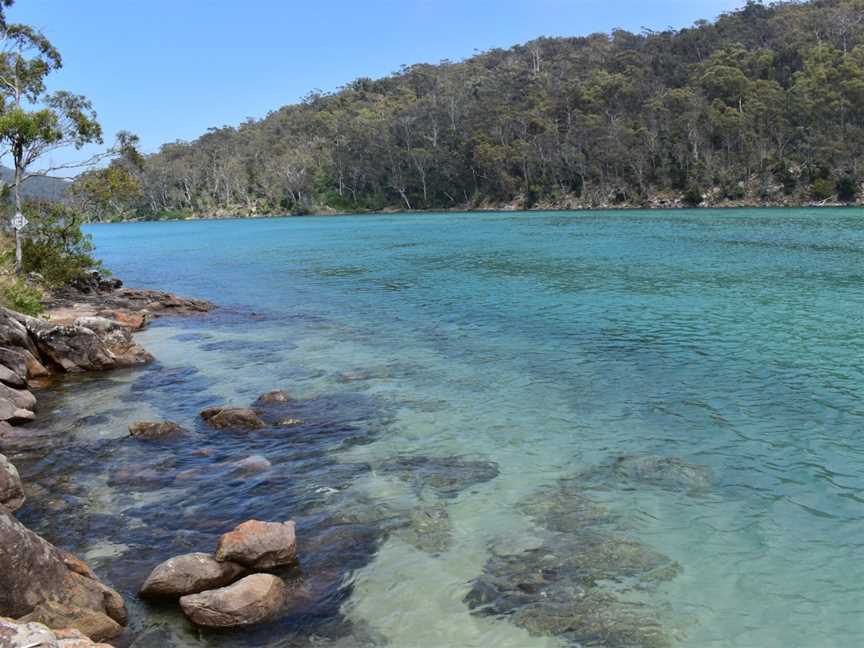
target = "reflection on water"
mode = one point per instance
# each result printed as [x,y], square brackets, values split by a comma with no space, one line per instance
[619,429]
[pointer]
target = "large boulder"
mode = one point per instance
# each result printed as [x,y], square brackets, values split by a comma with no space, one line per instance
[259,545]
[100,345]
[37,585]
[189,574]
[251,600]
[11,490]
[150,431]
[241,418]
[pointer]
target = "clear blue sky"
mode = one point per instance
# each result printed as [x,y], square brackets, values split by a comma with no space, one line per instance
[170,69]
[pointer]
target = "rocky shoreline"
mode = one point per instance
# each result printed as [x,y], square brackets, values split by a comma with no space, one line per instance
[48,597]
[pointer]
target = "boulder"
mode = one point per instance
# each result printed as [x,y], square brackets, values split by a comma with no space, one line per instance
[12,378]
[251,600]
[11,490]
[21,635]
[189,574]
[16,404]
[150,431]
[36,584]
[232,417]
[259,545]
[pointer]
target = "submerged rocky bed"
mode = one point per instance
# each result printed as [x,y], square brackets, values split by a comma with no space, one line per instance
[581,575]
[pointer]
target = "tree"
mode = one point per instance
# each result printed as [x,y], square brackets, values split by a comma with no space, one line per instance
[33,123]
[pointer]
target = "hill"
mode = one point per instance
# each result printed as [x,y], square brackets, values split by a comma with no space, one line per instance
[44,187]
[765,105]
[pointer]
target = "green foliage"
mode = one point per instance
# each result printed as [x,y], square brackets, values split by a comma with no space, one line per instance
[847,189]
[20,296]
[823,189]
[693,197]
[55,246]
[734,110]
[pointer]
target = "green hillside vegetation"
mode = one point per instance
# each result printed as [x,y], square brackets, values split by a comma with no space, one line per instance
[763,106]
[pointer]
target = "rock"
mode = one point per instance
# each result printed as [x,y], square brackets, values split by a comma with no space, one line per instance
[259,545]
[429,530]
[12,378]
[251,600]
[37,585]
[232,417]
[11,490]
[274,397]
[18,439]
[16,404]
[291,422]
[566,507]
[25,635]
[149,431]
[447,475]
[189,574]
[59,615]
[16,361]
[632,471]
[253,465]
[568,588]
[77,348]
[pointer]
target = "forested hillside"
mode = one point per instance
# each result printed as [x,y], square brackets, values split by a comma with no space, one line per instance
[765,105]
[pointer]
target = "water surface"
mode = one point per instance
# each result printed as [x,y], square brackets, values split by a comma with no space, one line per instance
[547,343]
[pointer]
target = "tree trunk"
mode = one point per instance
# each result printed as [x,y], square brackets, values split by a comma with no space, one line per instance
[19,255]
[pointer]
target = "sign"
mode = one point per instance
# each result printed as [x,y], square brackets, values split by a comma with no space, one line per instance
[19,222]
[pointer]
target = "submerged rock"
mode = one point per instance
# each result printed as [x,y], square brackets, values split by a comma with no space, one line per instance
[253,465]
[669,473]
[189,574]
[232,417]
[11,489]
[251,600]
[259,545]
[277,396]
[565,506]
[149,431]
[562,589]
[429,530]
[449,476]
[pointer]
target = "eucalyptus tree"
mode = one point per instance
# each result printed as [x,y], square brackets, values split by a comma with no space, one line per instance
[34,123]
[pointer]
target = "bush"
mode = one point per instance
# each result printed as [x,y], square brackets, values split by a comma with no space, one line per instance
[22,297]
[55,247]
[822,189]
[847,189]
[693,196]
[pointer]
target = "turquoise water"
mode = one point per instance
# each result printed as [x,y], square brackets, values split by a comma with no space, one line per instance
[548,343]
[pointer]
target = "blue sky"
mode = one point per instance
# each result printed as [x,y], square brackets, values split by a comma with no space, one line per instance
[170,69]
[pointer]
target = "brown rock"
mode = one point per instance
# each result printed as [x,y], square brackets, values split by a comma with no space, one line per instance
[20,439]
[273,397]
[11,490]
[36,584]
[251,600]
[259,545]
[97,625]
[150,430]
[232,417]
[189,574]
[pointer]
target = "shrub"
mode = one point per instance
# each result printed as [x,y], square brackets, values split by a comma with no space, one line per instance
[822,189]
[22,297]
[55,247]
[847,189]
[693,196]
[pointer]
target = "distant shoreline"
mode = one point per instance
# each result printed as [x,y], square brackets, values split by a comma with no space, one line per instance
[486,210]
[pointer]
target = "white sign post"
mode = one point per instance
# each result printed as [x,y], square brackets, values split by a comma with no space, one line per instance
[19,222]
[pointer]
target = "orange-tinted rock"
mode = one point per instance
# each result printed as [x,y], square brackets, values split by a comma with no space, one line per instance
[259,545]
[251,600]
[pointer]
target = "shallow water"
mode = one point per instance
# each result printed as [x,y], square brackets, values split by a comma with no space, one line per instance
[546,343]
